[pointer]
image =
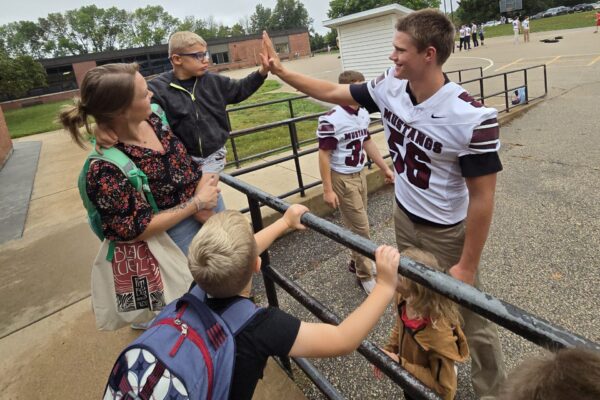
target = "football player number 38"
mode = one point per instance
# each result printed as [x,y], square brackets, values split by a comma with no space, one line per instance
[414,161]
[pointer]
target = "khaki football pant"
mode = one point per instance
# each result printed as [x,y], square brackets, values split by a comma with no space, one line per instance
[351,190]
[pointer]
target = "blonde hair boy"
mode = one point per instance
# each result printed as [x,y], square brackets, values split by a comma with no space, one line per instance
[223,255]
[181,41]
[222,258]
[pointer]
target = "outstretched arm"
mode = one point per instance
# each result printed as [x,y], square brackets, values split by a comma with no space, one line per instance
[325,340]
[317,88]
[479,218]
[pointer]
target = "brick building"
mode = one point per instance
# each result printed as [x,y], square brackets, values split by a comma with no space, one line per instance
[66,73]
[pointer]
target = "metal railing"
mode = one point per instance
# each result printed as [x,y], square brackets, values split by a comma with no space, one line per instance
[295,144]
[482,95]
[513,318]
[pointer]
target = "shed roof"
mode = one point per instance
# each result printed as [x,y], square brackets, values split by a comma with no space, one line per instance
[363,15]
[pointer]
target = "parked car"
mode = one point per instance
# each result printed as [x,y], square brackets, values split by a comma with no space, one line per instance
[553,12]
[582,7]
[492,23]
[538,15]
[596,5]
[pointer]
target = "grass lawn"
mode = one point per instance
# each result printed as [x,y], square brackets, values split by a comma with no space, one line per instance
[567,21]
[273,138]
[34,119]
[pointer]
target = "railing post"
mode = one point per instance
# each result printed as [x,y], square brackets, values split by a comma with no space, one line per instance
[481,90]
[256,216]
[545,81]
[294,140]
[233,147]
[291,107]
[506,92]
[526,86]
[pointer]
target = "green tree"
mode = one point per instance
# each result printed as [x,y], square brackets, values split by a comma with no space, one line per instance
[340,8]
[289,14]
[149,26]
[261,19]
[237,30]
[317,42]
[58,38]
[20,74]
[22,38]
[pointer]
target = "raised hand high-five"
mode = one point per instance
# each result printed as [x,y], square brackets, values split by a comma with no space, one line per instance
[268,56]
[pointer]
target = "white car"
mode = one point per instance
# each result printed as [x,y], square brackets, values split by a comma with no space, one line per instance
[596,5]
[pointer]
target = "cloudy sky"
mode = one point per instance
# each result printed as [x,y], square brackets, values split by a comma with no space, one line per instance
[226,11]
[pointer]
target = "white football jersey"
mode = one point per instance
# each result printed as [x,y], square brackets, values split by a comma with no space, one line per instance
[343,131]
[525,24]
[426,141]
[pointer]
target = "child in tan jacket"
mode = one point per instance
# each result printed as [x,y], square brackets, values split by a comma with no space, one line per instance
[427,339]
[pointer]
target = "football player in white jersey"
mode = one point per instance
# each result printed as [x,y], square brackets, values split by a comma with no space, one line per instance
[445,150]
[343,135]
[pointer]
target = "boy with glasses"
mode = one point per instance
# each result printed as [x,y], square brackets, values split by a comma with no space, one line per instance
[195,100]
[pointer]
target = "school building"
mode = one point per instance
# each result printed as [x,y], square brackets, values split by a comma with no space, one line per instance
[66,73]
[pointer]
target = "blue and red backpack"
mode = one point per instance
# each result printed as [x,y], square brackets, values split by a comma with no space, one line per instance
[187,353]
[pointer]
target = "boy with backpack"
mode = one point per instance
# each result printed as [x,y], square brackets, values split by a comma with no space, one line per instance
[222,258]
[344,139]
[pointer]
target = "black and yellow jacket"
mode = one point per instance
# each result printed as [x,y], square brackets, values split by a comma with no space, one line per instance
[429,352]
[196,111]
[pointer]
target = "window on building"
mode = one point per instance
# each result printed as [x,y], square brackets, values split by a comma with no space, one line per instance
[220,58]
[219,53]
[282,45]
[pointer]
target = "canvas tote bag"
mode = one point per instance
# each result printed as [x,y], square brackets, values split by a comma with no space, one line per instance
[140,280]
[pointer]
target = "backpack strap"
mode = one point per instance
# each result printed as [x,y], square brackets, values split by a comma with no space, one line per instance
[156,109]
[239,313]
[136,177]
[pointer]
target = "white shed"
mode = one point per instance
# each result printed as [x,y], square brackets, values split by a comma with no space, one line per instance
[365,38]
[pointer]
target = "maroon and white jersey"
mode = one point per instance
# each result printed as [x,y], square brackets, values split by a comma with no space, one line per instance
[343,130]
[434,145]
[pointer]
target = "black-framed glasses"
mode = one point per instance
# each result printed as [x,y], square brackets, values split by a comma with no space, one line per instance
[199,55]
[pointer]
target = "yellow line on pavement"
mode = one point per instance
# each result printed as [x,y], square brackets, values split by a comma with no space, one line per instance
[594,61]
[553,60]
[508,65]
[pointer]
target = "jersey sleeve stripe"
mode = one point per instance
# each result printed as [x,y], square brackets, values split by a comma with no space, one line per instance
[326,127]
[485,134]
[484,146]
[328,143]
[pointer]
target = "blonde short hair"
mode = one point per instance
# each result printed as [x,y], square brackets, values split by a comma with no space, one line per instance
[426,302]
[181,41]
[222,254]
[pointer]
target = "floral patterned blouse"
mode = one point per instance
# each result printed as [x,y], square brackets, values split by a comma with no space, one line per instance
[172,177]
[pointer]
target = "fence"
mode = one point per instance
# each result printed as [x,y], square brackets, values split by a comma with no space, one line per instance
[507,315]
[295,144]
